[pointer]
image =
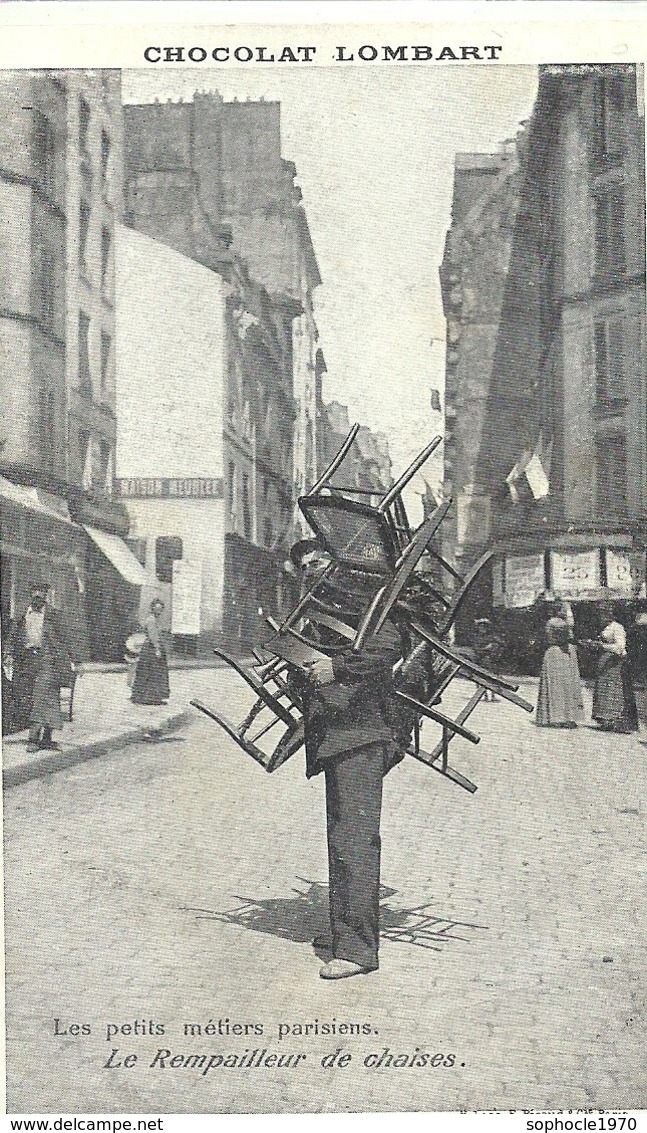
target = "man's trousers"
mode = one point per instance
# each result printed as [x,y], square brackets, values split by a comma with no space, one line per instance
[353,806]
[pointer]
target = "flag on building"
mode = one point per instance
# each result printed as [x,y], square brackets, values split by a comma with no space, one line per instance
[537,471]
[431,499]
[514,477]
[530,476]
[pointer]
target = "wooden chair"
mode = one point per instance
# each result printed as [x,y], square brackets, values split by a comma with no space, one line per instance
[67,696]
[373,574]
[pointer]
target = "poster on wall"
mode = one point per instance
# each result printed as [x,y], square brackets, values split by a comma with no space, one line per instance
[626,572]
[574,574]
[524,580]
[187,596]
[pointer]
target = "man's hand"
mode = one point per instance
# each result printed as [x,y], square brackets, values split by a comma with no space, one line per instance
[322,672]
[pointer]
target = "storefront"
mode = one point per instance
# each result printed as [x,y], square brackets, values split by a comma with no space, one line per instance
[114,582]
[94,578]
[38,538]
[39,541]
[583,568]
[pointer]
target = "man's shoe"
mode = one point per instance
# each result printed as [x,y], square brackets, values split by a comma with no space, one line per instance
[31,748]
[341,969]
[51,745]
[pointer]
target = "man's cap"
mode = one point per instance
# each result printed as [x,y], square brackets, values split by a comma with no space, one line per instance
[303,547]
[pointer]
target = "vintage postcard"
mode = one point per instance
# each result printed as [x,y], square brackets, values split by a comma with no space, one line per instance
[323,488]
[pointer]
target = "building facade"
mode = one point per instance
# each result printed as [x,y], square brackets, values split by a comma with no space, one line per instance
[171,367]
[204,455]
[61,143]
[561,458]
[473,275]
[367,466]
[207,177]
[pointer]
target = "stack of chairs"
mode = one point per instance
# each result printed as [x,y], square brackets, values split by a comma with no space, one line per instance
[379,568]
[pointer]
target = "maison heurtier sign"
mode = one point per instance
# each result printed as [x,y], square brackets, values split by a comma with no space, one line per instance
[173,488]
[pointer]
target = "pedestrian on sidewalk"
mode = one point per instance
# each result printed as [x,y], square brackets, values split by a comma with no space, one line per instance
[614,702]
[151,683]
[41,658]
[559,701]
[349,736]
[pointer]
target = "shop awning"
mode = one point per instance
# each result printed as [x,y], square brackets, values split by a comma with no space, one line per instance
[119,555]
[35,499]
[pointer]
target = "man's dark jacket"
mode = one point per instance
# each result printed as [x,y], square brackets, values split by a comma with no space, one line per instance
[356,709]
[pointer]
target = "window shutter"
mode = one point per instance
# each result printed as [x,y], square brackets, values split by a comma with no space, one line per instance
[616,360]
[601,361]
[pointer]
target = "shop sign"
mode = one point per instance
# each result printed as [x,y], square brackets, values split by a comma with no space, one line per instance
[173,488]
[524,580]
[186,597]
[626,572]
[574,574]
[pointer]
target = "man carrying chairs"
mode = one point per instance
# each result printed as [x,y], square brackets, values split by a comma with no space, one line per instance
[355,669]
[350,737]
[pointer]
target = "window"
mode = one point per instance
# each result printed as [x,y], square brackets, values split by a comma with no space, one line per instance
[46,427]
[105,255]
[611,460]
[85,378]
[608,118]
[106,472]
[84,126]
[609,231]
[231,489]
[106,345]
[85,457]
[168,548]
[105,156]
[247,515]
[609,339]
[84,228]
[44,152]
[46,285]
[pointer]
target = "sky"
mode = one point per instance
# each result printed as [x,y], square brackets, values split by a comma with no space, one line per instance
[374,149]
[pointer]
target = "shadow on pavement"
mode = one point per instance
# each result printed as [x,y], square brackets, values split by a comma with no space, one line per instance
[304,916]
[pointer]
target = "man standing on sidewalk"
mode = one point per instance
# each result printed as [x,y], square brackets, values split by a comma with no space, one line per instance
[41,659]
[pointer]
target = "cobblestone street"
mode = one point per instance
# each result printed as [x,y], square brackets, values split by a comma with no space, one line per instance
[174,882]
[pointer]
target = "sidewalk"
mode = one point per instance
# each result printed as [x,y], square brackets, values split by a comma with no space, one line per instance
[105,720]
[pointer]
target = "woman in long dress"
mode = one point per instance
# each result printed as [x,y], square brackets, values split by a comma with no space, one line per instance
[151,684]
[559,702]
[614,703]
